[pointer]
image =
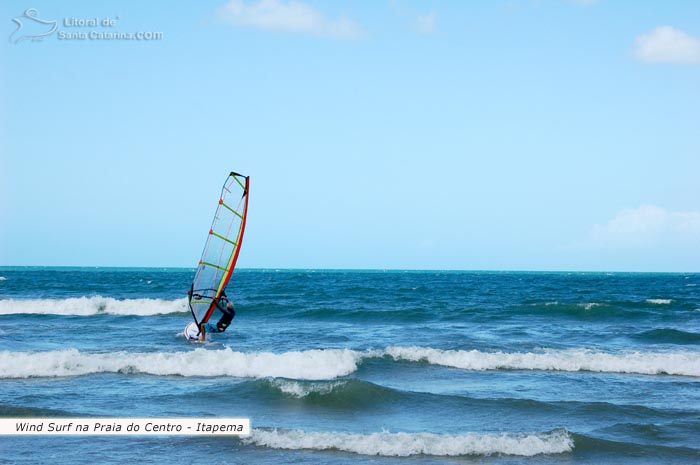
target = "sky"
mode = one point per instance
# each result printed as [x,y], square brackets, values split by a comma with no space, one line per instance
[480,135]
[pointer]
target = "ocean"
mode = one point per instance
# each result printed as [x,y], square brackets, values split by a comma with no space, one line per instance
[359,367]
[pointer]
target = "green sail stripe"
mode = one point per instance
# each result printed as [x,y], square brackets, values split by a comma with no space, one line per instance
[215,266]
[239,182]
[223,238]
[232,210]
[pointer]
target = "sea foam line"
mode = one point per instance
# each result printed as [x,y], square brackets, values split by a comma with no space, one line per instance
[88,306]
[407,444]
[659,301]
[309,364]
[326,364]
[684,363]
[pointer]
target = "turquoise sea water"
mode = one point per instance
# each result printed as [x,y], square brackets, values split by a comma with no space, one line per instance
[360,366]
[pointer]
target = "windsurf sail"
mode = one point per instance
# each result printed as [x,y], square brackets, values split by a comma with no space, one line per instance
[221,248]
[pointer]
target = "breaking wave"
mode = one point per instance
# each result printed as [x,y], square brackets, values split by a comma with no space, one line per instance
[88,306]
[352,394]
[328,364]
[406,444]
[683,363]
[300,390]
[309,364]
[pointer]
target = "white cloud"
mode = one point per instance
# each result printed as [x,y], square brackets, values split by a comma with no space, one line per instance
[427,24]
[291,17]
[648,225]
[666,44]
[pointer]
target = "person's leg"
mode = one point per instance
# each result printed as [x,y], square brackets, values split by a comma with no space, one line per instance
[205,328]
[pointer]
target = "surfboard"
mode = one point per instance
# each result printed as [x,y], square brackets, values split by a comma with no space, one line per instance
[191,332]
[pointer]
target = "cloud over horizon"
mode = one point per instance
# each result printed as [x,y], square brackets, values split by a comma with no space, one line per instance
[666,44]
[648,225]
[290,17]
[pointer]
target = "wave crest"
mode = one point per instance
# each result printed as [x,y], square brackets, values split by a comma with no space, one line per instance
[660,301]
[407,444]
[682,363]
[328,364]
[669,335]
[309,364]
[88,306]
[301,390]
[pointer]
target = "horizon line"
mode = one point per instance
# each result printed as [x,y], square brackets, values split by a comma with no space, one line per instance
[456,270]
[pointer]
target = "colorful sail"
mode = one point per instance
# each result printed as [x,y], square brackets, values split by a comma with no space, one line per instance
[221,248]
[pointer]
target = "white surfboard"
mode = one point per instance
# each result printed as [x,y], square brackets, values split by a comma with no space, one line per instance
[191,332]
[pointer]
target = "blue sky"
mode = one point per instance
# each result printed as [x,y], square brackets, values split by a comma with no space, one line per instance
[526,135]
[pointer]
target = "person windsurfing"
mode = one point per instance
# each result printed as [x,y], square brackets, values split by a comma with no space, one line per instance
[225,306]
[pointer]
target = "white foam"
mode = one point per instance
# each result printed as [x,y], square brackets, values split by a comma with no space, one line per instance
[660,301]
[405,444]
[301,390]
[87,306]
[684,363]
[327,364]
[2,278]
[310,364]
[589,305]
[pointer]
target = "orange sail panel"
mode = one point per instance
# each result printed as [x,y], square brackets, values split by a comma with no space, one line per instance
[221,248]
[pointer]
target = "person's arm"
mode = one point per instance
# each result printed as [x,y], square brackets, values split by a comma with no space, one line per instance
[202,333]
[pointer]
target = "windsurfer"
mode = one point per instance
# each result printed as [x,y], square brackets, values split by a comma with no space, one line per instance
[225,306]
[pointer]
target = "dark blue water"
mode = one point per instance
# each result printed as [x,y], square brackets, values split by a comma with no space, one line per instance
[360,366]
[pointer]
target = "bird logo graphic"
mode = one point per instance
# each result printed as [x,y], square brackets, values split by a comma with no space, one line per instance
[32,27]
